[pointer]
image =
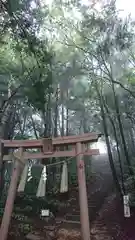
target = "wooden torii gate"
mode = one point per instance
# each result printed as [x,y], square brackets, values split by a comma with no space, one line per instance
[49,148]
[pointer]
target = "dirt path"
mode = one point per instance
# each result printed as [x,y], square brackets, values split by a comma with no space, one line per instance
[105,227]
[97,190]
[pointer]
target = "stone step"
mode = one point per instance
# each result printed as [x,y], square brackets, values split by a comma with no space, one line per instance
[71,222]
[71,217]
[34,236]
[76,211]
[77,208]
[90,204]
[68,223]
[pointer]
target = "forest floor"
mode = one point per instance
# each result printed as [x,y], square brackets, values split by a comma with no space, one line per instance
[109,224]
[107,221]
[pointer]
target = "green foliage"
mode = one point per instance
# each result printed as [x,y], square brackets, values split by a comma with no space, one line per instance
[1,212]
[25,228]
[40,88]
[60,55]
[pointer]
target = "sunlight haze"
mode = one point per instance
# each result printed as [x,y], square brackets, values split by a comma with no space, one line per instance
[127,7]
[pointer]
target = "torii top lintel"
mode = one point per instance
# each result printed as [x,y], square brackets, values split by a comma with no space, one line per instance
[58,141]
[52,147]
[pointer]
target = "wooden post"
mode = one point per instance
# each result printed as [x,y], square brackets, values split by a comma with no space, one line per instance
[1,153]
[1,166]
[84,216]
[10,199]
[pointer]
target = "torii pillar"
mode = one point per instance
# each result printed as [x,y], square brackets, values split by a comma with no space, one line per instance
[84,212]
[18,165]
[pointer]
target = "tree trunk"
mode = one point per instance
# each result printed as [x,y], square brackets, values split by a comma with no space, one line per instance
[67,116]
[49,117]
[117,145]
[121,131]
[34,127]
[56,114]
[114,174]
[4,130]
[62,120]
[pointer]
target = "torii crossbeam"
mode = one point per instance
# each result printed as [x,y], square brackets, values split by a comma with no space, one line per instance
[48,148]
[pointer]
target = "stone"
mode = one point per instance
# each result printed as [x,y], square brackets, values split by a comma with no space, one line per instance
[93,231]
[68,234]
[51,235]
[34,236]
[49,228]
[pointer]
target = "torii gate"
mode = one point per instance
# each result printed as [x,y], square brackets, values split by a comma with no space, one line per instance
[49,148]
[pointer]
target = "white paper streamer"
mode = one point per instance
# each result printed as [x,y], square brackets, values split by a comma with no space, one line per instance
[64,179]
[41,191]
[23,180]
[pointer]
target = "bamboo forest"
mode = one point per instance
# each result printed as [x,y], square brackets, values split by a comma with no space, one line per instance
[67,121]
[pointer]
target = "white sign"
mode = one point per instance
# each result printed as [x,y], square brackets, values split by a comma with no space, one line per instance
[45,213]
[126,206]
